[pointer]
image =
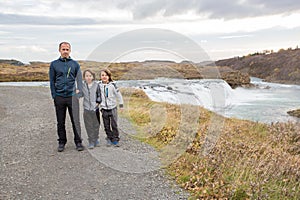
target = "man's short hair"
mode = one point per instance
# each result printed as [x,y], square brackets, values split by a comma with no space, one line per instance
[64,43]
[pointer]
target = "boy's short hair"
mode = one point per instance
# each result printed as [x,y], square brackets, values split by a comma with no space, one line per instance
[90,71]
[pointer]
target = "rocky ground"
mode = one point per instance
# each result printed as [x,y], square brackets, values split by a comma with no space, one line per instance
[31,167]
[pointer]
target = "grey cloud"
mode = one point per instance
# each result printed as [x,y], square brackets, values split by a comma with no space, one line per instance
[145,9]
[250,8]
[43,20]
[226,9]
[278,5]
[149,9]
[19,13]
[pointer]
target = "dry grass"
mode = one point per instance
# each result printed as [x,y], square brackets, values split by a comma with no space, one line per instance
[33,72]
[247,160]
[38,71]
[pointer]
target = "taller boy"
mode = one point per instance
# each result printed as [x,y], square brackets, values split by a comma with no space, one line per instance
[66,87]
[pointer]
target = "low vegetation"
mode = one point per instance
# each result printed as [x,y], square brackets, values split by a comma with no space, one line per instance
[222,158]
[38,71]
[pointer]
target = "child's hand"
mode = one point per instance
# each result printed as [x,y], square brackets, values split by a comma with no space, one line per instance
[121,106]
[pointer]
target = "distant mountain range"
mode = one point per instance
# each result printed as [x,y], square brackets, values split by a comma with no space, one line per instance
[281,67]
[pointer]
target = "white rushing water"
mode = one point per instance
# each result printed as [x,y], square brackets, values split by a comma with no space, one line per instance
[268,102]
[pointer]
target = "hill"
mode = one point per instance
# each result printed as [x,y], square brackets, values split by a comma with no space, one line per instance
[281,67]
[38,71]
[11,62]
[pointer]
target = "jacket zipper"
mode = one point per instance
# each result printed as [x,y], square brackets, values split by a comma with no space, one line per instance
[65,77]
[89,94]
[106,95]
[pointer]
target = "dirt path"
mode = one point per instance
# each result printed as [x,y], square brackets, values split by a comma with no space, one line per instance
[31,168]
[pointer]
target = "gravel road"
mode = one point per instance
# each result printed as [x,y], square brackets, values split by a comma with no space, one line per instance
[31,167]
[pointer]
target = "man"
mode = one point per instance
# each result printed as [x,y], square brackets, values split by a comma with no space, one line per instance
[66,87]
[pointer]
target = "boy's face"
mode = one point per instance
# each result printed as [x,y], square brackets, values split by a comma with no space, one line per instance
[104,77]
[88,77]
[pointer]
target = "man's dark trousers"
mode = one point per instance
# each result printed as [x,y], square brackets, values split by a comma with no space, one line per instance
[61,105]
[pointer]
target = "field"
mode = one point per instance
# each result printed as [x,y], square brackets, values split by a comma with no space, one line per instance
[38,71]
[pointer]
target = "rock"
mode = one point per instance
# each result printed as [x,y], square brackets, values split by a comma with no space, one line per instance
[294,113]
[236,79]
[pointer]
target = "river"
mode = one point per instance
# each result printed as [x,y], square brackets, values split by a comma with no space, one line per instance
[267,102]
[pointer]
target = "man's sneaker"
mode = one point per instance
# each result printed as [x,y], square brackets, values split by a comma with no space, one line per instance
[61,147]
[91,146]
[79,147]
[97,143]
[108,142]
[116,143]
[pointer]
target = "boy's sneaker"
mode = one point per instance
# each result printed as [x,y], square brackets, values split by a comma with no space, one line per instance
[108,142]
[97,143]
[116,143]
[61,147]
[91,146]
[79,147]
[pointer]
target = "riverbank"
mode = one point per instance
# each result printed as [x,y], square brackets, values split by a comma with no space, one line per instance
[31,167]
[220,158]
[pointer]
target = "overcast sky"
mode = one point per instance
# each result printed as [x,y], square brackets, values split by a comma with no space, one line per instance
[31,30]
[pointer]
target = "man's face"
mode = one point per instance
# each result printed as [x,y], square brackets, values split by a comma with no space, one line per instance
[65,51]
